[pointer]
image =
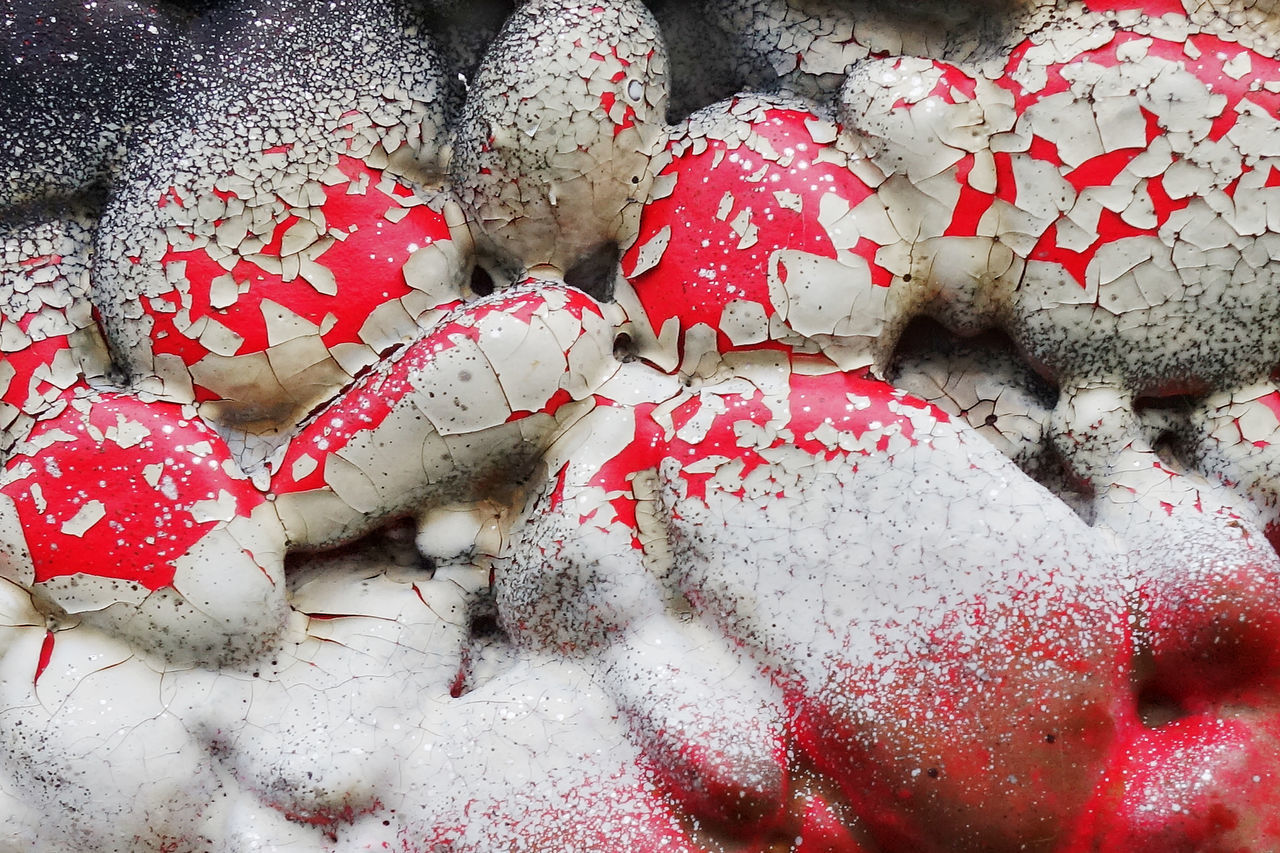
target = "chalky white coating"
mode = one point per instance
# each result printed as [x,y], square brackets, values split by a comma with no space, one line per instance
[694,534]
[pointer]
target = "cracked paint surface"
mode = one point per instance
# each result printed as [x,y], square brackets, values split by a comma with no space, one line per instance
[743,425]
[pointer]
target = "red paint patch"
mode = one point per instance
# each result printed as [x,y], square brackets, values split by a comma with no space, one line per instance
[46,655]
[366,266]
[703,268]
[114,492]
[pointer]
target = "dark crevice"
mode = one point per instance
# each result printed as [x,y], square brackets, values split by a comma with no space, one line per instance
[594,273]
[624,348]
[484,645]
[463,30]
[481,283]
[1178,404]
[1155,709]
[390,546]
[1170,449]
[940,366]
[928,347]
[925,335]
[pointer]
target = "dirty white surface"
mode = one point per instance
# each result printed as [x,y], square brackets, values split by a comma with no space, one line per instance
[744,425]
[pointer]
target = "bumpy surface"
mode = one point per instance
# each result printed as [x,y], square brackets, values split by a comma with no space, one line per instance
[745,425]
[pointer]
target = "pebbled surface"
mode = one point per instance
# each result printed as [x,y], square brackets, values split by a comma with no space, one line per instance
[878,458]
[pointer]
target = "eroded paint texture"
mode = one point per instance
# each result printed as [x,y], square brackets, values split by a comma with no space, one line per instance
[742,426]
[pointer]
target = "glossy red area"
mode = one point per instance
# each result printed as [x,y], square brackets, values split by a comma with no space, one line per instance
[1203,56]
[33,372]
[111,487]
[707,263]
[363,247]
[1205,783]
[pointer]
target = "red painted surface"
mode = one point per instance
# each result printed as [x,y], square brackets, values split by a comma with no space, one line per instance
[139,529]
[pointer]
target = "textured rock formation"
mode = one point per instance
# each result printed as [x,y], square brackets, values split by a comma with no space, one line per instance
[730,426]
